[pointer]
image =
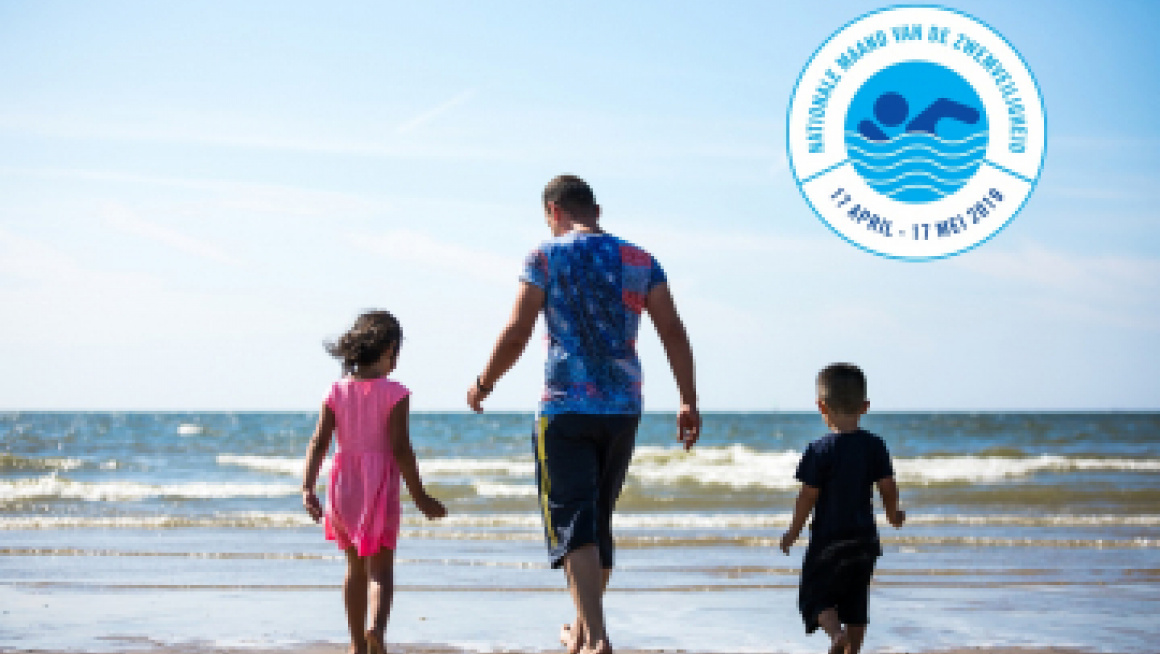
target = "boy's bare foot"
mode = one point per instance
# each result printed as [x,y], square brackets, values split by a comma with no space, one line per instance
[375,644]
[571,638]
[838,645]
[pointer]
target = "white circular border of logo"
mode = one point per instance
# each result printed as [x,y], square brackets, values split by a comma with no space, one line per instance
[963,220]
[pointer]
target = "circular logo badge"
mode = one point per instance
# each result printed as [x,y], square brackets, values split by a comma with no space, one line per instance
[916,132]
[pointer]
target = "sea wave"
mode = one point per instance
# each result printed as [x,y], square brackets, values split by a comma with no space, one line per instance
[52,487]
[12,462]
[739,466]
[624,522]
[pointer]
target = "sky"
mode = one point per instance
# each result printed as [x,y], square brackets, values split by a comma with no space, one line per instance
[195,196]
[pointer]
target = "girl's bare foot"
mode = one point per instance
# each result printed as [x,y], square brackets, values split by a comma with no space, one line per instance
[571,638]
[375,644]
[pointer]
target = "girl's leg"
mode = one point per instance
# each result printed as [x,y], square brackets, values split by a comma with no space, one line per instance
[380,572]
[354,594]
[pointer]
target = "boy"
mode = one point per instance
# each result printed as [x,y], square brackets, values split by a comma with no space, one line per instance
[837,473]
[592,289]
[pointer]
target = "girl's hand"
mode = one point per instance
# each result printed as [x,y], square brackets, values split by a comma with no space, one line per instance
[313,506]
[431,507]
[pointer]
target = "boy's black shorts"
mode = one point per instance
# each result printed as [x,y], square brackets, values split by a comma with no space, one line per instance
[838,576]
[581,463]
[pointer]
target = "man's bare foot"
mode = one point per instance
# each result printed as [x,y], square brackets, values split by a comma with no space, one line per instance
[600,647]
[375,644]
[571,638]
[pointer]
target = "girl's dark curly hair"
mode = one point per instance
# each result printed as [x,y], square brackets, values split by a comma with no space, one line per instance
[373,333]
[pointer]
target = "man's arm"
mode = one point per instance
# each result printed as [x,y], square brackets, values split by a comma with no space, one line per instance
[671,331]
[510,345]
[806,500]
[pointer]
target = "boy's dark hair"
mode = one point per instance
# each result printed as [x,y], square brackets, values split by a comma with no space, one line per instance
[571,194]
[842,386]
[373,333]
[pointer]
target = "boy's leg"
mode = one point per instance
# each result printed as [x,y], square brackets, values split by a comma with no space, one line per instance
[829,622]
[855,633]
[380,592]
[354,595]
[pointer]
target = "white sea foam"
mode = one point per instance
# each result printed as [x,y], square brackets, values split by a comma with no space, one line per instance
[738,466]
[190,429]
[488,489]
[277,464]
[530,521]
[51,487]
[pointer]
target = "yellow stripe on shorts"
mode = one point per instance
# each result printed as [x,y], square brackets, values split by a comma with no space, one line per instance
[545,482]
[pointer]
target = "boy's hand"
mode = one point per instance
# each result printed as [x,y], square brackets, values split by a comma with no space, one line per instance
[896,518]
[431,507]
[313,506]
[787,541]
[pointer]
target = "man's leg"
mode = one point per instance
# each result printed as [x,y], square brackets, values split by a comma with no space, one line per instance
[572,635]
[587,581]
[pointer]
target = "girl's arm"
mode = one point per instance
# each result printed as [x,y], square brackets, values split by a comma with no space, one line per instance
[405,457]
[315,453]
[806,500]
[888,491]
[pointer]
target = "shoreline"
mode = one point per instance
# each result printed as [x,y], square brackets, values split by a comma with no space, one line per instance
[146,646]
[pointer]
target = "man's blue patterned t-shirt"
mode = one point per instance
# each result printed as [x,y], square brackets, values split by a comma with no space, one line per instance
[594,292]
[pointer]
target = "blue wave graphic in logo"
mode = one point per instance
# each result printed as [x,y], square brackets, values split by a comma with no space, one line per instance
[917,167]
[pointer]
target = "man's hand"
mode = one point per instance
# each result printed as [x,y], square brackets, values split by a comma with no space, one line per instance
[475,397]
[688,425]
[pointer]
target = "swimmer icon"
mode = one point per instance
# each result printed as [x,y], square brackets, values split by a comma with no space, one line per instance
[891,109]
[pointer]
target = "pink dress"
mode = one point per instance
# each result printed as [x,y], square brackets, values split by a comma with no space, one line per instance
[362,501]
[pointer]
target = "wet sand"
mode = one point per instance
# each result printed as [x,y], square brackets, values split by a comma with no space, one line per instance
[144,646]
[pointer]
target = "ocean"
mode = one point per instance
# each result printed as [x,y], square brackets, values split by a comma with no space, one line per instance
[124,531]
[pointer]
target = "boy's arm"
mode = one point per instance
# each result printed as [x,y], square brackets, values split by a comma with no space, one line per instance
[510,345]
[405,458]
[675,340]
[888,491]
[806,500]
[315,453]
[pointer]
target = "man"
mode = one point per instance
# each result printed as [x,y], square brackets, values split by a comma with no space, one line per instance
[592,288]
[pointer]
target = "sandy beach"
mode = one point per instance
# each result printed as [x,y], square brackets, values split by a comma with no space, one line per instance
[149,648]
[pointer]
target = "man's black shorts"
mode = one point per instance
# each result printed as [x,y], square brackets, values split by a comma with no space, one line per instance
[581,463]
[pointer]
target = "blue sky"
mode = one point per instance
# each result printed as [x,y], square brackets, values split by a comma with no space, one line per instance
[193,196]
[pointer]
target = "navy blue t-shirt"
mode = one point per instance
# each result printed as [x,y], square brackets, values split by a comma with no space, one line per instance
[844,467]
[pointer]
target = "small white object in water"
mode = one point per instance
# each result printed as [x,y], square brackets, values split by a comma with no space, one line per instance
[189,429]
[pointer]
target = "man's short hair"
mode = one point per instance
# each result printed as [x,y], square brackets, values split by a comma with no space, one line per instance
[571,194]
[842,386]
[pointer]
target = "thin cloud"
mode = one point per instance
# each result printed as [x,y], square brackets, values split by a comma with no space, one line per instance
[424,250]
[124,220]
[434,112]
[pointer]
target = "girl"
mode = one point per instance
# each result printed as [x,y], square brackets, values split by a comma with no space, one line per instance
[369,413]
